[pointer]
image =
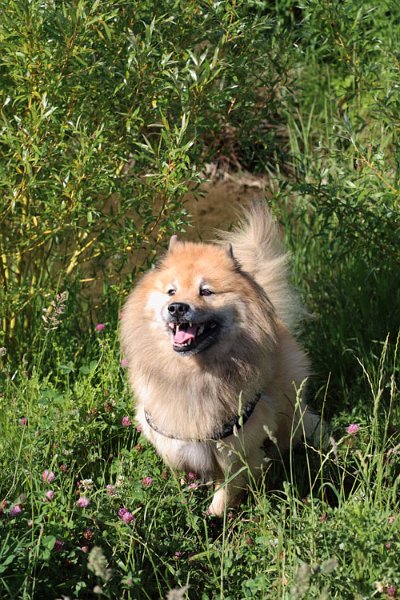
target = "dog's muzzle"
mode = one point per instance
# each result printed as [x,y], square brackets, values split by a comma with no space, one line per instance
[190,330]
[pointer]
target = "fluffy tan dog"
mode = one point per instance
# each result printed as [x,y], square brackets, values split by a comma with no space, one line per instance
[212,363]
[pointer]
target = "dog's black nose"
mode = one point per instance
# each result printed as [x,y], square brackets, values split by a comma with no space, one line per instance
[178,309]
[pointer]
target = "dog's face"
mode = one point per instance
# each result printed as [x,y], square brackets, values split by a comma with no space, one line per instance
[199,300]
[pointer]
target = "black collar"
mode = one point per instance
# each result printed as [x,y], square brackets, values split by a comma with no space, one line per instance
[225,431]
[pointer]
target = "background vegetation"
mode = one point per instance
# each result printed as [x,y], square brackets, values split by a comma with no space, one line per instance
[109,112]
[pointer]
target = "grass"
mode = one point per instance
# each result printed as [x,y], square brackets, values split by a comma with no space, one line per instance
[321,524]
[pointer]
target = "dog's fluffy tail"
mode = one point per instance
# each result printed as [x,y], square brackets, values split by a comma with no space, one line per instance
[256,244]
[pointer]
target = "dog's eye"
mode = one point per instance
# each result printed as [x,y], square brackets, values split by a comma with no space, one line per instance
[171,292]
[205,292]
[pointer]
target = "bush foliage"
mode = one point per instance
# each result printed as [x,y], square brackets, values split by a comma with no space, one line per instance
[108,113]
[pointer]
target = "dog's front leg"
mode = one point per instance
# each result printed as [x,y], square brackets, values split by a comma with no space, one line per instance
[228,491]
[226,495]
[238,464]
[219,501]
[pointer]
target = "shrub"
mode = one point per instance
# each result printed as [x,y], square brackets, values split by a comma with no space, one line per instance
[108,111]
[340,202]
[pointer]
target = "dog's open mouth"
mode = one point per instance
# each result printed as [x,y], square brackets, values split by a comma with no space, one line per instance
[188,337]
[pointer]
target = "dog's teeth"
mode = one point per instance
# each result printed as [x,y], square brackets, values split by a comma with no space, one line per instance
[212,325]
[190,324]
[201,329]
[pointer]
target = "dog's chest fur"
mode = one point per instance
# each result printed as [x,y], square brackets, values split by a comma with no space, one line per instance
[182,455]
[193,405]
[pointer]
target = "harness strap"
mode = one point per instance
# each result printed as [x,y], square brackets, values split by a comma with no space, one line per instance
[225,431]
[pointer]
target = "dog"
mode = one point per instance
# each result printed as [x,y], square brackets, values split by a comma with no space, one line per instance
[215,369]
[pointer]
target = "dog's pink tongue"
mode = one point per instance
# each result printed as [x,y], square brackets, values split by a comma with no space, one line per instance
[184,335]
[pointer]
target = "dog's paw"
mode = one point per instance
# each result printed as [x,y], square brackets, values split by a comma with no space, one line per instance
[213,511]
[218,504]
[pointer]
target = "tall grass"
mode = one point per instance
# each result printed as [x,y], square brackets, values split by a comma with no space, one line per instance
[323,523]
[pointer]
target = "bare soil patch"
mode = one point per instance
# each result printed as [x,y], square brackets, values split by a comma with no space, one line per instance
[219,202]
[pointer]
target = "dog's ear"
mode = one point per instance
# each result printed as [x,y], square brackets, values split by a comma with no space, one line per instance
[172,242]
[229,251]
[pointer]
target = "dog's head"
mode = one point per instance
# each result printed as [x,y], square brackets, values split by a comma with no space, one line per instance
[201,300]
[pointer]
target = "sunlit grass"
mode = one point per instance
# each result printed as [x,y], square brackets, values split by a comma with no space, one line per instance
[81,485]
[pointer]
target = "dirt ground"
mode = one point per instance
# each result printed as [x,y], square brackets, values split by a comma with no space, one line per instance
[220,202]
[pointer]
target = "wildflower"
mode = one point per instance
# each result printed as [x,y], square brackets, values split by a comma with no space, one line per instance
[88,534]
[87,484]
[83,502]
[323,518]
[124,362]
[125,515]
[48,476]
[23,421]
[147,481]
[49,496]
[126,422]
[178,554]
[85,549]
[391,591]
[110,489]
[192,476]
[120,481]
[178,593]
[64,468]
[93,412]
[98,564]
[15,510]
[52,315]
[249,541]
[139,428]
[3,351]
[388,545]
[353,428]
[100,327]
[58,545]
[391,520]
[193,486]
